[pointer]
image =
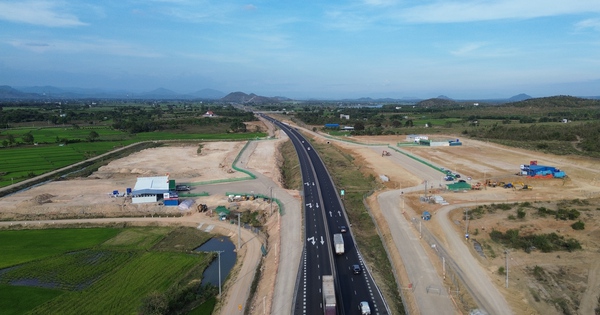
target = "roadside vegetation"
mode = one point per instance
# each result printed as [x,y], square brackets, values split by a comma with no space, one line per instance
[149,270]
[521,237]
[290,167]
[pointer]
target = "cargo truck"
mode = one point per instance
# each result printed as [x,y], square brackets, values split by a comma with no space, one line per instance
[328,296]
[338,241]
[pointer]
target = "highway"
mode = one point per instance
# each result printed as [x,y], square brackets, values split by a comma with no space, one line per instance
[323,215]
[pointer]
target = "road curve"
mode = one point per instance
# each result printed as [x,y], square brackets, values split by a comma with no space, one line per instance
[477,280]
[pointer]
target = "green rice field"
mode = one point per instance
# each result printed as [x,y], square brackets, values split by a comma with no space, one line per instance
[93,270]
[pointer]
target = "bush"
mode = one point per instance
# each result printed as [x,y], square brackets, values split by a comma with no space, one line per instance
[521,213]
[578,225]
[501,271]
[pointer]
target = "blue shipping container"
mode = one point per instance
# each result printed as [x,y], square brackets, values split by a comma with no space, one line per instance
[171,203]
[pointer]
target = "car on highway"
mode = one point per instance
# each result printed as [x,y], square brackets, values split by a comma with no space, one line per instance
[343,229]
[356,269]
[364,308]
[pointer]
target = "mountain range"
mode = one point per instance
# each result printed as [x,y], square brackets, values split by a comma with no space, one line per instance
[51,92]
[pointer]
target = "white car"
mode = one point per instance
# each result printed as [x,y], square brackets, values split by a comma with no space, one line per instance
[364,308]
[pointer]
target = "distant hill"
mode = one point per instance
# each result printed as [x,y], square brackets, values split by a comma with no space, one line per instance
[208,94]
[435,102]
[520,97]
[557,101]
[159,93]
[7,92]
[243,98]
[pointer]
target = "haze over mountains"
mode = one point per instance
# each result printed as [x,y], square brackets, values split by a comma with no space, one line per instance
[51,92]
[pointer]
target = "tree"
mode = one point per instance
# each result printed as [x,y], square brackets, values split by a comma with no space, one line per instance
[409,123]
[27,138]
[359,126]
[154,304]
[238,126]
[93,136]
[11,139]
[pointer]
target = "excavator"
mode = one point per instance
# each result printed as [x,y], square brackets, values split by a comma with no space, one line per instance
[524,186]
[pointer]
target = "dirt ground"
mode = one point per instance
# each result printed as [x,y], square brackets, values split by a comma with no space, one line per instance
[570,280]
[475,159]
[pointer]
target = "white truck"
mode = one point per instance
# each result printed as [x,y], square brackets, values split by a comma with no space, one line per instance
[329,307]
[338,242]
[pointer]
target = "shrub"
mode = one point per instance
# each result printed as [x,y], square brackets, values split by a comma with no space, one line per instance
[578,225]
[538,273]
[521,213]
[501,271]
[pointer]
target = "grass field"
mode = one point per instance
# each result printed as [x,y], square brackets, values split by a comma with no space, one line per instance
[95,270]
[17,300]
[21,246]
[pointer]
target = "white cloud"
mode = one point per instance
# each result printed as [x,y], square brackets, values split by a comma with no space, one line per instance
[45,13]
[589,23]
[466,49]
[88,45]
[474,10]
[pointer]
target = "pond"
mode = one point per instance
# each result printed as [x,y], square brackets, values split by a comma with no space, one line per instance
[228,257]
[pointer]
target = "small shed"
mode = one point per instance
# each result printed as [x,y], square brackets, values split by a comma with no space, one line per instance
[186,204]
[222,211]
[426,216]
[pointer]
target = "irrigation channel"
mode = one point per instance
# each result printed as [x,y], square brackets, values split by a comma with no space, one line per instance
[228,256]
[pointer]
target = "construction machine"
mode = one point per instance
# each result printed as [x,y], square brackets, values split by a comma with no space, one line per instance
[477,186]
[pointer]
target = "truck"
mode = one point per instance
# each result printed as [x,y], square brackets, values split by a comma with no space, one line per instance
[329,307]
[338,241]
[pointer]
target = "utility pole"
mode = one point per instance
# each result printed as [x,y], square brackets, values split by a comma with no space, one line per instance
[506,262]
[444,266]
[219,254]
[467,224]
[271,201]
[239,232]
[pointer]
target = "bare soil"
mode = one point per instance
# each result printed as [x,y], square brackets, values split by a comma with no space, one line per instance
[570,281]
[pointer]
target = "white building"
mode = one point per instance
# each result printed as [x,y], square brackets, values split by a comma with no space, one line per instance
[148,189]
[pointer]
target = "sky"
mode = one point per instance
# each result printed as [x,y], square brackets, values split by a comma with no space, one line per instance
[306,49]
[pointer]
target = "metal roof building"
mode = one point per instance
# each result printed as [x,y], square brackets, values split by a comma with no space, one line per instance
[148,189]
